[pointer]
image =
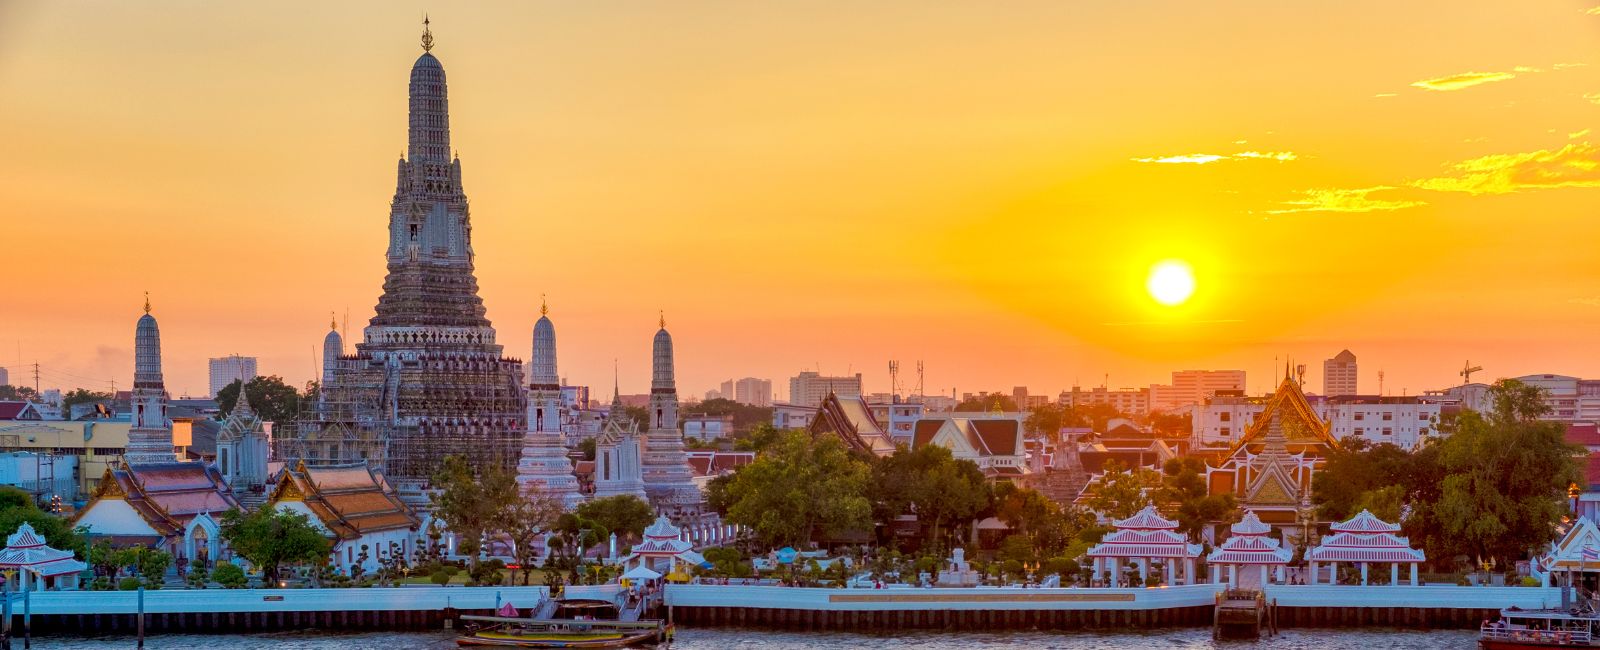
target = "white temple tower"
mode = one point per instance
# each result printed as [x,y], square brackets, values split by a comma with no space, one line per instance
[150,437]
[242,452]
[544,464]
[332,349]
[667,477]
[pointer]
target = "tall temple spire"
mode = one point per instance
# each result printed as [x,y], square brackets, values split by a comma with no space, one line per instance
[427,34]
[150,436]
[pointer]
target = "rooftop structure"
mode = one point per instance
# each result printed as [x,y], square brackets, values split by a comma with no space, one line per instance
[1364,540]
[37,563]
[1249,546]
[354,505]
[994,445]
[850,419]
[1144,538]
[173,506]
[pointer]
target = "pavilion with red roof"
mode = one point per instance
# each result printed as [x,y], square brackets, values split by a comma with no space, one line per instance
[665,551]
[1249,546]
[1143,539]
[27,553]
[1365,540]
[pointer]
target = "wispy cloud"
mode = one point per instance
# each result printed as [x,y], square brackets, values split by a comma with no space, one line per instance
[1463,80]
[1594,98]
[1579,134]
[1207,158]
[1575,165]
[1587,302]
[1345,200]
[1386,95]
[1593,11]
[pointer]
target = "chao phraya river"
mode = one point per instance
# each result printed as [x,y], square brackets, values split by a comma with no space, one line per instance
[718,639]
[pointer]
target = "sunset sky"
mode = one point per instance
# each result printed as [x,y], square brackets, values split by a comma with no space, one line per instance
[830,185]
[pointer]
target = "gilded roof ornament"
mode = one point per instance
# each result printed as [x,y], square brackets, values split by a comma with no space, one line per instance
[333,321]
[427,35]
[663,319]
[147,302]
[544,306]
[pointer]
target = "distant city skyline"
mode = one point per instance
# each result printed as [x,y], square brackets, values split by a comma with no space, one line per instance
[974,189]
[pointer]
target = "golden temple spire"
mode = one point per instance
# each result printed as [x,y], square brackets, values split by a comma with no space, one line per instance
[333,321]
[147,302]
[427,35]
[544,306]
[663,319]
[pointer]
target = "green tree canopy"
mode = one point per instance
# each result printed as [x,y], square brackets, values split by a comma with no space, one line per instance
[988,403]
[525,521]
[745,416]
[1046,420]
[271,538]
[624,514]
[469,505]
[757,438]
[272,399]
[1505,477]
[932,483]
[1183,485]
[12,393]
[1352,472]
[17,507]
[1118,492]
[800,485]
[81,396]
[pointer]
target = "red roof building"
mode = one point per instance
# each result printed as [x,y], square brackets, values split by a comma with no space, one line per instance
[1364,540]
[1142,539]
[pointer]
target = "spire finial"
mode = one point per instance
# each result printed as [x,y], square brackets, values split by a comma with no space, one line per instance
[427,35]
[663,319]
[333,321]
[147,302]
[544,305]
[616,382]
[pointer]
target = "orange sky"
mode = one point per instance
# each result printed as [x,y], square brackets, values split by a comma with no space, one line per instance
[830,184]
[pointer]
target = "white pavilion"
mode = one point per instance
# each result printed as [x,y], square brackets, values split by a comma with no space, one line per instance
[1364,540]
[38,566]
[1143,539]
[1249,546]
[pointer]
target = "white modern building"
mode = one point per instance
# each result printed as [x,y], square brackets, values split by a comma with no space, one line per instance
[792,416]
[758,392]
[1191,387]
[1339,375]
[707,427]
[1128,401]
[899,418]
[1402,421]
[809,388]
[226,370]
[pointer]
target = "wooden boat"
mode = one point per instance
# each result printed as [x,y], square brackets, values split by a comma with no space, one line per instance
[510,632]
[1532,629]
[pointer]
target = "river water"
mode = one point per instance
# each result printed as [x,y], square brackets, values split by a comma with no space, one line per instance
[718,639]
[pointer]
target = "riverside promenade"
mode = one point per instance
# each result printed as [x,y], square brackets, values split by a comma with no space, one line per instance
[1013,608]
[235,610]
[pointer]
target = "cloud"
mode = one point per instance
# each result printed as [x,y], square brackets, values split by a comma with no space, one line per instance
[1587,302]
[1575,165]
[1345,200]
[1593,11]
[1207,158]
[1564,66]
[1386,95]
[1463,80]
[1594,98]
[1579,134]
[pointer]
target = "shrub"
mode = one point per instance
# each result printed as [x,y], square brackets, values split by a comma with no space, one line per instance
[1530,581]
[442,575]
[101,583]
[229,575]
[129,583]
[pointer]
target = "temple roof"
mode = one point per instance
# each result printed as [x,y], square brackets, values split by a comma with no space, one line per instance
[987,437]
[1250,525]
[25,549]
[851,420]
[1351,547]
[1292,415]
[350,500]
[1365,522]
[1146,519]
[165,495]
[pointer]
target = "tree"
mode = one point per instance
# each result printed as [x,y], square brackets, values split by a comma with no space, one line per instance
[11,393]
[1046,526]
[587,447]
[798,486]
[271,399]
[471,506]
[935,485]
[229,575]
[81,396]
[758,438]
[1352,472]
[624,514]
[1172,425]
[527,520]
[745,416]
[1183,484]
[639,415]
[1045,420]
[987,403]
[17,507]
[1506,474]
[1120,493]
[271,538]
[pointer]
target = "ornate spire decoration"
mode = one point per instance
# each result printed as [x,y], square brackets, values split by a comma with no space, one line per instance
[147,302]
[427,35]
[663,322]
[544,306]
[333,321]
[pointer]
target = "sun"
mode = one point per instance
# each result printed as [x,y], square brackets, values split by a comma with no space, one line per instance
[1171,282]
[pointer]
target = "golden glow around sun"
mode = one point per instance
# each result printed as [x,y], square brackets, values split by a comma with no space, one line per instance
[1170,282]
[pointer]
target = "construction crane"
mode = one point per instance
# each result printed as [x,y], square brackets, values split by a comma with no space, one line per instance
[1466,372]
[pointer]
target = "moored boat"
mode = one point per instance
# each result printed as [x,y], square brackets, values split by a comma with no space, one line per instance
[1520,629]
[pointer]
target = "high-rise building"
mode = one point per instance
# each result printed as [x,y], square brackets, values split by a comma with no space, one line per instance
[1339,375]
[752,391]
[1191,387]
[428,379]
[725,391]
[810,388]
[5,377]
[226,370]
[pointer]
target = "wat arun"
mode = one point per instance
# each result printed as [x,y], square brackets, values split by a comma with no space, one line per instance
[428,379]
